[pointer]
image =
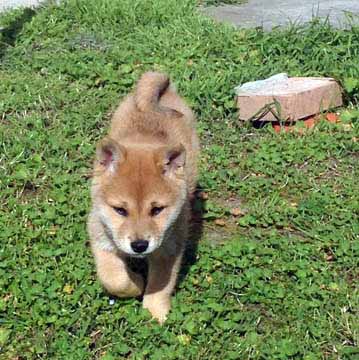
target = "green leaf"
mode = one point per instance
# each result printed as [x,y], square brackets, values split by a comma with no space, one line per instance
[4,336]
[350,84]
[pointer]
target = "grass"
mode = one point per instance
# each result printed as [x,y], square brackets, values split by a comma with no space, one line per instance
[279,282]
[221,2]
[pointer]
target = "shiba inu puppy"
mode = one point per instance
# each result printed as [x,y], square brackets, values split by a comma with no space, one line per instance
[144,174]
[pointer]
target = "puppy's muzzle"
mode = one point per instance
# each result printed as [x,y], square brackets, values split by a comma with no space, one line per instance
[139,246]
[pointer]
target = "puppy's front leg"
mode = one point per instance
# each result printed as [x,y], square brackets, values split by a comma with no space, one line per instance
[162,277]
[115,275]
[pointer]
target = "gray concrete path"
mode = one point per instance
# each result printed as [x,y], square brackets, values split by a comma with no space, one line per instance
[266,13]
[9,4]
[270,13]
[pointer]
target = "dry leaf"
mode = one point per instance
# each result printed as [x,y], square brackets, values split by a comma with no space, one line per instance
[329,257]
[68,289]
[237,212]
[220,222]
[347,127]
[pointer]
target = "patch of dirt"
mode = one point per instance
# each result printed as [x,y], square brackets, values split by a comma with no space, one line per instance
[29,190]
[217,235]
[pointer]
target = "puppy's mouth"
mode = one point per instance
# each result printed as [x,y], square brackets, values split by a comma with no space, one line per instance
[137,256]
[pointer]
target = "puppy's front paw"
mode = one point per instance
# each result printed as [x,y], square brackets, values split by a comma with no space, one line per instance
[158,306]
[124,286]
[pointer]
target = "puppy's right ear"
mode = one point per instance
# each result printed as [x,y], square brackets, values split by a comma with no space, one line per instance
[109,153]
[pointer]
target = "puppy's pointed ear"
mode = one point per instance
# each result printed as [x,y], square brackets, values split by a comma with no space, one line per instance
[172,160]
[109,153]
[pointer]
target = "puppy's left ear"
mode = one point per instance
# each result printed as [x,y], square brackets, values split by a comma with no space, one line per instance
[172,160]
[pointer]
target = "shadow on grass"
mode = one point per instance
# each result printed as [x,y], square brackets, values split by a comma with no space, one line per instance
[9,34]
[195,234]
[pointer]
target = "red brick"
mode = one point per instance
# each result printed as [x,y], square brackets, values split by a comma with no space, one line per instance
[332,117]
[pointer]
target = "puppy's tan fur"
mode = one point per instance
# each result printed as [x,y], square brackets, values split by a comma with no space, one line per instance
[147,162]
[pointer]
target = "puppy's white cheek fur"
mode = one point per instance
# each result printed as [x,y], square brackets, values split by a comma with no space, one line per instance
[176,211]
[153,244]
[104,242]
[105,217]
[123,243]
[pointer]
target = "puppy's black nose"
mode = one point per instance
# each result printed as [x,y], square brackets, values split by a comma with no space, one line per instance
[139,246]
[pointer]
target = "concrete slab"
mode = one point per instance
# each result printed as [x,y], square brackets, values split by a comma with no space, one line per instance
[271,13]
[287,98]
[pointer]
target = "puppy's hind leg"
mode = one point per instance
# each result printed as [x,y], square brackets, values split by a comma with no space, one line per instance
[115,275]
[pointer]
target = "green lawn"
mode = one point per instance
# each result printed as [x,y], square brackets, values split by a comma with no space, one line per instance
[279,282]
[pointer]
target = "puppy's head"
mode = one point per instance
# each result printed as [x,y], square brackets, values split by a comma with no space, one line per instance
[141,191]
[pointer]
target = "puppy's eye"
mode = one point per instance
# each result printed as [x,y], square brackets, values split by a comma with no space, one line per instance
[121,211]
[156,210]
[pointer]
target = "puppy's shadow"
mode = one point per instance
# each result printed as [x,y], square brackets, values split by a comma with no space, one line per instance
[195,234]
[10,33]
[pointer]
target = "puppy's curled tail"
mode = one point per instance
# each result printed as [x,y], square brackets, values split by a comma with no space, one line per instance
[149,90]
